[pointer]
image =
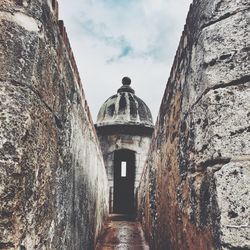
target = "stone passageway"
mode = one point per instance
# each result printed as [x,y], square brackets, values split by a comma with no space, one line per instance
[187,175]
[121,233]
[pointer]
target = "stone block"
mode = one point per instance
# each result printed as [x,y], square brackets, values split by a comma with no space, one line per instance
[232,186]
[219,58]
[220,123]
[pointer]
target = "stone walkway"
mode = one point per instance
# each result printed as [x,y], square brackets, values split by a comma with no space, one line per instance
[120,233]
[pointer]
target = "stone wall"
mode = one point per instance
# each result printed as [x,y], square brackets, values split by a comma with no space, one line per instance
[117,141]
[53,184]
[194,192]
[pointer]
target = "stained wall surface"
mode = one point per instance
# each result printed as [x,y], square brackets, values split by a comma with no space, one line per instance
[194,193]
[53,184]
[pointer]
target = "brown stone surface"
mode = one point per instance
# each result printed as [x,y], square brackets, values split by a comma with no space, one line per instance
[194,192]
[120,233]
[53,184]
[196,177]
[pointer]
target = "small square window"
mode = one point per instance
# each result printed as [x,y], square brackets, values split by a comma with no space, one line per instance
[123,169]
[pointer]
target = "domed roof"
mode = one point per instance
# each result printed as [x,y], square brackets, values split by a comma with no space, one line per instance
[124,108]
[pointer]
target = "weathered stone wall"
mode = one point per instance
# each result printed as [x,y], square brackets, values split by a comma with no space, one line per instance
[194,193]
[112,142]
[53,184]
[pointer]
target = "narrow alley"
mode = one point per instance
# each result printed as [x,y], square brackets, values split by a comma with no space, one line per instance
[121,180]
[121,232]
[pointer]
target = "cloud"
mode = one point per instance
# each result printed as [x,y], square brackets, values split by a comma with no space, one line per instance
[114,38]
[125,52]
[118,2]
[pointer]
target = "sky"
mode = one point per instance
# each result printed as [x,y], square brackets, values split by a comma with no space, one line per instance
[116,38]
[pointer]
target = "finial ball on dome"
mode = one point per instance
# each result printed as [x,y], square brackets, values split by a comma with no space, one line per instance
[126,80]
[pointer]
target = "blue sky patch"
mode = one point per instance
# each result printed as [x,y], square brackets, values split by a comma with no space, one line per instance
[125,52]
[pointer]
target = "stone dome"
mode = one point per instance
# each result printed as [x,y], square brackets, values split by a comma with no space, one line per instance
[124,108]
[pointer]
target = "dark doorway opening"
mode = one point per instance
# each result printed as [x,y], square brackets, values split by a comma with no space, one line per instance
[124,182]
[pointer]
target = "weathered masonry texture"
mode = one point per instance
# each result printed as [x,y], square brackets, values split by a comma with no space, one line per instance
[194,188]
[54,188]
[124,122]
[194,193]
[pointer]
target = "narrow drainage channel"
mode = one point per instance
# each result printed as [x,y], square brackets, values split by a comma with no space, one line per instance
[122,233]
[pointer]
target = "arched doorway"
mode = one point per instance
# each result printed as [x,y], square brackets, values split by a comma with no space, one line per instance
[124,181]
